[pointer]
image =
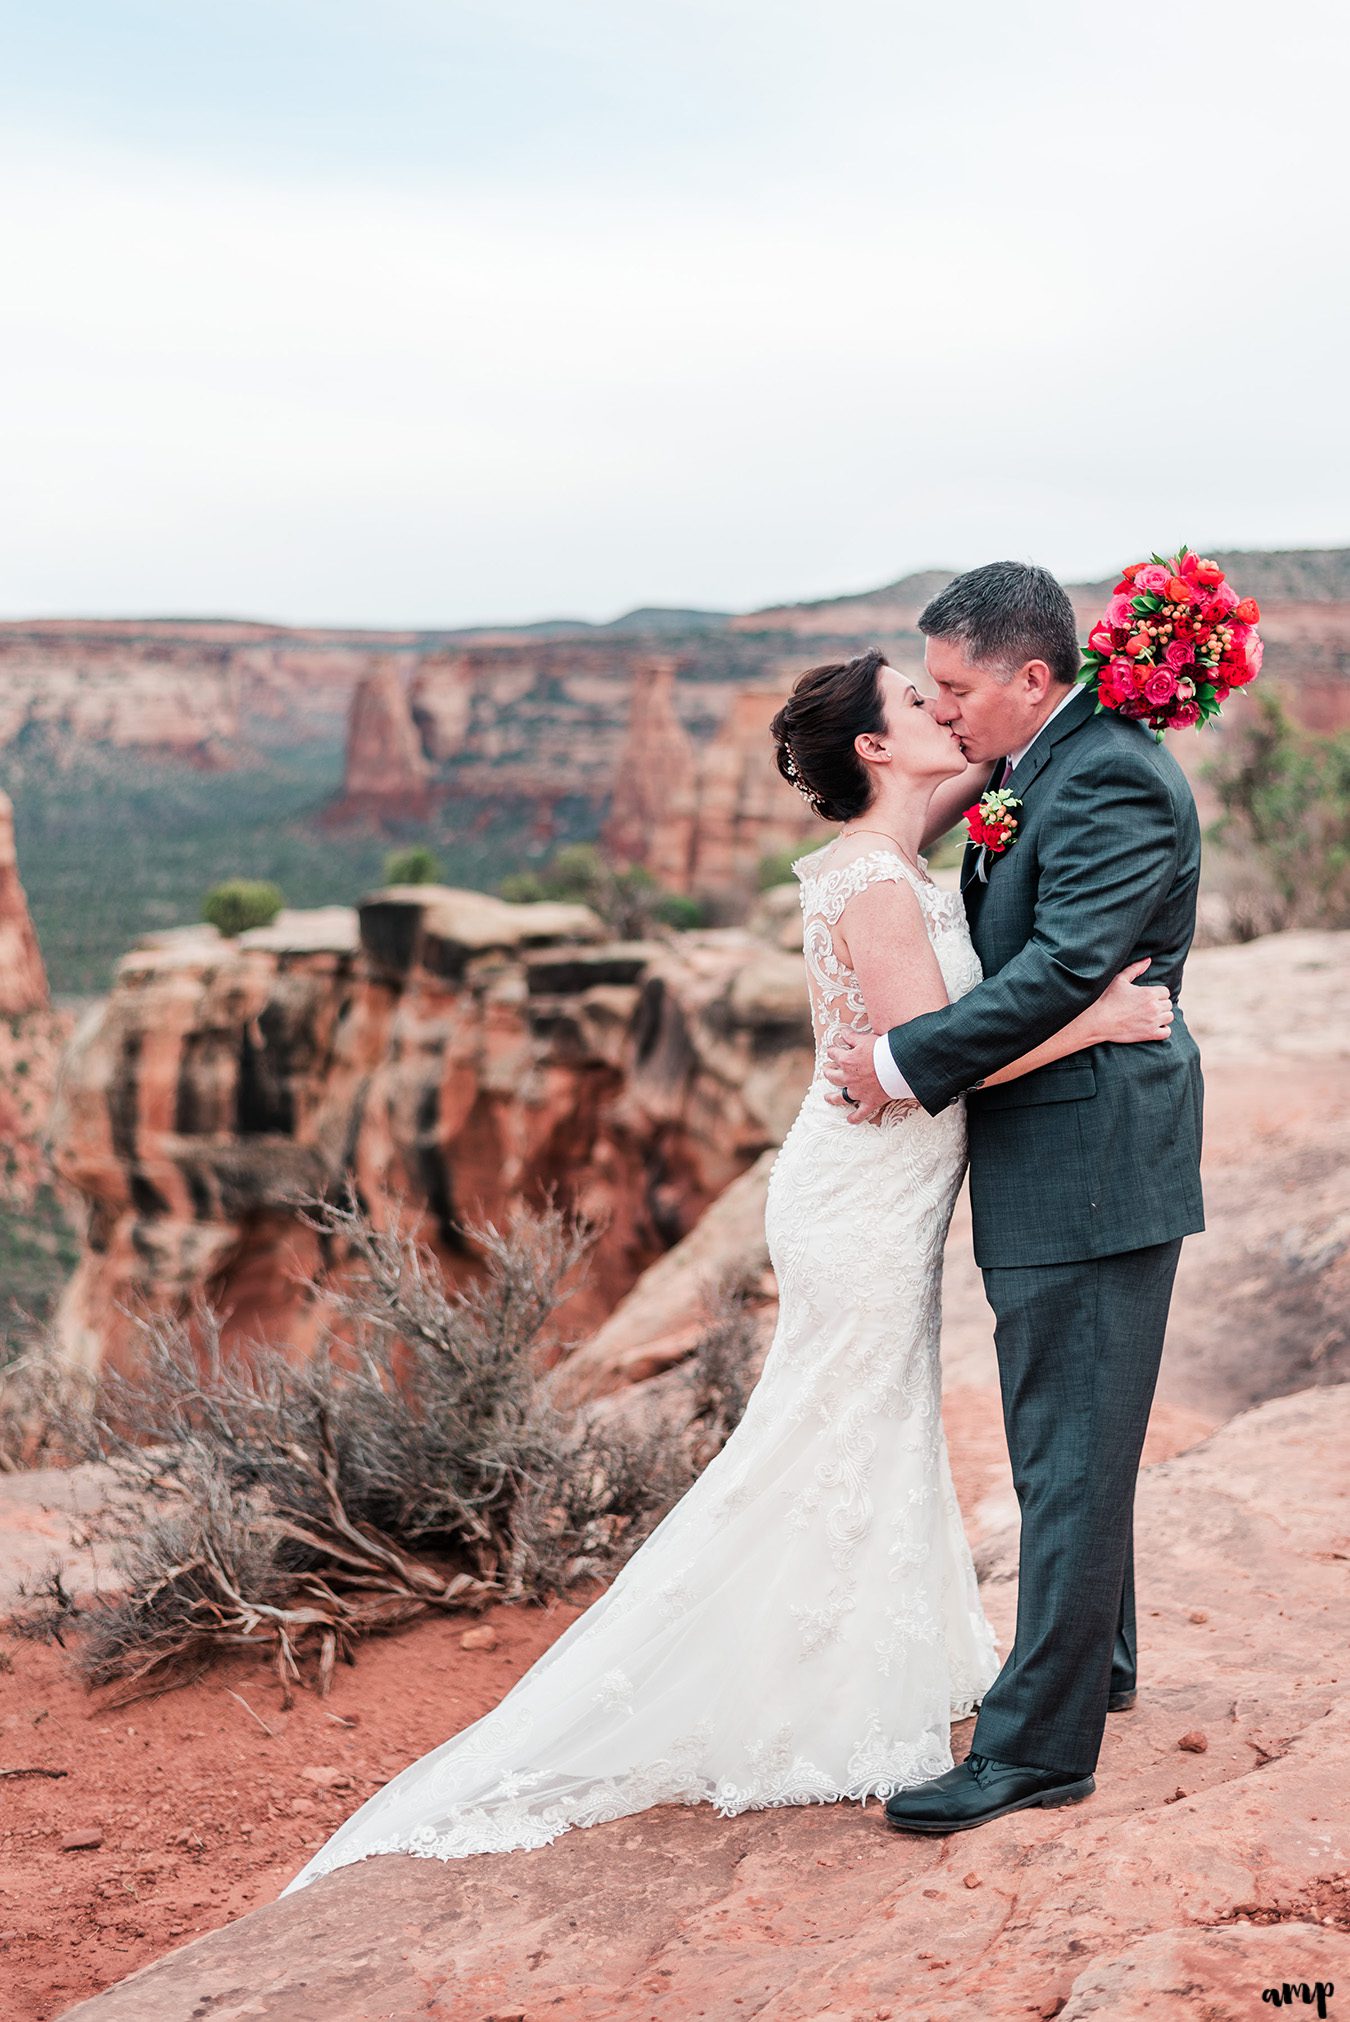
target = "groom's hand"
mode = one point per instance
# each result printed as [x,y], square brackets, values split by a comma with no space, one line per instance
[849,1066]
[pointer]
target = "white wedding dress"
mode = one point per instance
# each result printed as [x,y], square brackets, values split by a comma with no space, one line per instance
[805,1624]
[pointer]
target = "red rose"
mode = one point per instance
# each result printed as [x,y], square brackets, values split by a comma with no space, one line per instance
[1209,573]
[1185,715]
[1131,570]
[1249,611]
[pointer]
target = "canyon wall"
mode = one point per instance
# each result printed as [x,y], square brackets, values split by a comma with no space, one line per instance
[443,1052]
[188,690]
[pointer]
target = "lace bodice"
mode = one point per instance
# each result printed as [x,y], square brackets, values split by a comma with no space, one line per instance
[826,888]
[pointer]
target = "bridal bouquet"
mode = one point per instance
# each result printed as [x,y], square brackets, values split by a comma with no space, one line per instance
[1172,643]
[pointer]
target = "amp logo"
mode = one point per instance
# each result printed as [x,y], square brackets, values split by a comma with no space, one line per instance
[1285,1996]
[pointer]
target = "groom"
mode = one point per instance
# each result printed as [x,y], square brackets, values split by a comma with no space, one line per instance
[1084,1176]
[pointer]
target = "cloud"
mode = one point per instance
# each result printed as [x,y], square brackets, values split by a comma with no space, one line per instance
[930,296]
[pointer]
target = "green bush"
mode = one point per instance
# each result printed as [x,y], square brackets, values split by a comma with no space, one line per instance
[1285,796]
[416,865]
[776,868]
[240,903]
[522,888]
[674,909]
[629,901]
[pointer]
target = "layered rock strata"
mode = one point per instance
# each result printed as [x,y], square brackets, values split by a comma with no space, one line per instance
[443,1051]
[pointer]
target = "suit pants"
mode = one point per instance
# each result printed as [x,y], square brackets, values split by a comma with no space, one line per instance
[1078,1352]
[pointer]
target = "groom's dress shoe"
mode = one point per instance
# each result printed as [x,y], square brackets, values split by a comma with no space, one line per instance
[1120,1702]
[979,1789]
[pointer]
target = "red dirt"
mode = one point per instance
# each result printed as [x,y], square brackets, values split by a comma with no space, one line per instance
[203,1815]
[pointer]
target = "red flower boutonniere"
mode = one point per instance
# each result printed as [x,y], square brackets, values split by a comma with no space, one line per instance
[992,822]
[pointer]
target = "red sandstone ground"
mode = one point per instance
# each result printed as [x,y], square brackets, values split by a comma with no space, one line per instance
[205,1816]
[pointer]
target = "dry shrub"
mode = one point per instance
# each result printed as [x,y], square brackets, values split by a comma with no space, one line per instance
[45,1409]
[421,1462]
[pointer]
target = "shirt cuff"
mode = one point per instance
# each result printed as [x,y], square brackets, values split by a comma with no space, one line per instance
[888,1074]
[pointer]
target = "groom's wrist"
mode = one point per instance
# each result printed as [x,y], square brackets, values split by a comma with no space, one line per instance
[888,1074]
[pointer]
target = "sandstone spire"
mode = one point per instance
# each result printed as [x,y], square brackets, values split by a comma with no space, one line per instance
[387,769]
[23,979]
[652,814]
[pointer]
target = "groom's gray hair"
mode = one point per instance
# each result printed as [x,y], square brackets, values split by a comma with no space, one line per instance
[1003,615]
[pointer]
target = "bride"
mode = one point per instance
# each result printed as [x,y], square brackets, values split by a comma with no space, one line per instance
[805,1624]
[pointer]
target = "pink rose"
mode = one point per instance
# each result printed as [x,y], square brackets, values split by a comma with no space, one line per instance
[1185,715]
[1162,686]
[1120,611]
[1152,578]
[1180,654]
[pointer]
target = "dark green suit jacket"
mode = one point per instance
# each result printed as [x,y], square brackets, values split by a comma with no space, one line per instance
[1100,1152]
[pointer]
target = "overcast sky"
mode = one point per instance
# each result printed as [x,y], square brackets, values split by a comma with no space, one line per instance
[441,311]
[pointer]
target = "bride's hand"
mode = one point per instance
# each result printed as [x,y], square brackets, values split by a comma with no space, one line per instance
[1128,1012]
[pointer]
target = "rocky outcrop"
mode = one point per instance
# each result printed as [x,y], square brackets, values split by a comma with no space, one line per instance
[31,1035]
[655,790]
[448,1054]
[701,818]
[23,980]
[1213,1861]
[386,767]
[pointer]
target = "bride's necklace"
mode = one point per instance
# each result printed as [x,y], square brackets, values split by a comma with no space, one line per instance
[900,848]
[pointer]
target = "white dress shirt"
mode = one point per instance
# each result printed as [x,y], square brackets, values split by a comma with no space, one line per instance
[883,1060]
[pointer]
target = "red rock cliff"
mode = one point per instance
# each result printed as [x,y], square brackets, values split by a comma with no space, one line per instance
[449,1054]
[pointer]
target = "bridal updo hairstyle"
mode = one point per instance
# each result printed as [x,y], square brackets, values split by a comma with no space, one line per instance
[814,730]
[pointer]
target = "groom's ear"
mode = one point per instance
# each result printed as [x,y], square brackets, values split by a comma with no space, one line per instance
[1037,678]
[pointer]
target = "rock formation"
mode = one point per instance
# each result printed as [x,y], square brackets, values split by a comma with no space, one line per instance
[701,818]
[31,1037]
[448,1053]
[655,792]
[23,980]
[386,768]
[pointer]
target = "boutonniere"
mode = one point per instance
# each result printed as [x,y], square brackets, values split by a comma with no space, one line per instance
[992,822]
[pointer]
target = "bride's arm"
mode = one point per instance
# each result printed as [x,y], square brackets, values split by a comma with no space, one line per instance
[1126,1014]
[952,799]
[882,937]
